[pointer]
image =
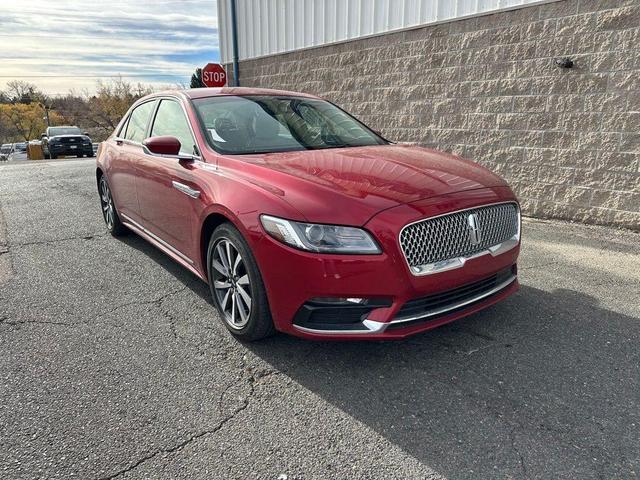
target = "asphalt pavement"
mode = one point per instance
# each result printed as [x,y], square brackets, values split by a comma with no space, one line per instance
[113,364]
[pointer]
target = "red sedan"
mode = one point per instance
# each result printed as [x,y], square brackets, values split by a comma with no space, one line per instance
[302,219]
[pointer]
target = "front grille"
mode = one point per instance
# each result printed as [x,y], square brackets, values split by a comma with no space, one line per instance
[448,236]
[440,302]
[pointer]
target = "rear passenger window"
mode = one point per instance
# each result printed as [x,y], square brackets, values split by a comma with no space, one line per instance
[137,126]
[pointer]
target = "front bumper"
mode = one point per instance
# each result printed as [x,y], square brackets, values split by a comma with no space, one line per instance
[293,278]
[420,312]
[65,149]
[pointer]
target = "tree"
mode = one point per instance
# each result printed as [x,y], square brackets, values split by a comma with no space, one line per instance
[19,91]
[25,121]
[22,109]
[111,101]
[196,79]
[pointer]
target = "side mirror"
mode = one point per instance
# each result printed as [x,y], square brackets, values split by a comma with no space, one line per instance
[164,145]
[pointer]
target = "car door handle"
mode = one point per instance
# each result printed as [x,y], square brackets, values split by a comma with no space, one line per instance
[186,189]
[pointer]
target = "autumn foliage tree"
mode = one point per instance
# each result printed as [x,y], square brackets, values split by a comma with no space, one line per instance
[101,112]
[22,109]
[24,122]
[22,114]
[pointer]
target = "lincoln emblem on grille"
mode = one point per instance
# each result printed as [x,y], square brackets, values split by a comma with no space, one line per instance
[474,229]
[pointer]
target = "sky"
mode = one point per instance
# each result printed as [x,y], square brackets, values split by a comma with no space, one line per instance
[63,45]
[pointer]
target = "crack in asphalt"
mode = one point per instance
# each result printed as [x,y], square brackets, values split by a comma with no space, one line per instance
[252,380]
[6,321]
[55,240]
[156,301]
[512,438]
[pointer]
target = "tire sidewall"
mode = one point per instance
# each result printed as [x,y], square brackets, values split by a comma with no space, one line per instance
[252,330]
[118,228]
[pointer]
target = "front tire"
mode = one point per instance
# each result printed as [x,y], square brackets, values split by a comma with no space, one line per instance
[236,285]
[109,212]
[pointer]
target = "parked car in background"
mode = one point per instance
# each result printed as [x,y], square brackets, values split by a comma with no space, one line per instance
[5,150]
[18,152]
[17,156]
[95,147]
[66,140]
[304,220]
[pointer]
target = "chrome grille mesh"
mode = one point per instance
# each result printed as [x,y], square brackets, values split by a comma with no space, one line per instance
[442,238]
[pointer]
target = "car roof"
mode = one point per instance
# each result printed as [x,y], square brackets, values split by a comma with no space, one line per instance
[237,91]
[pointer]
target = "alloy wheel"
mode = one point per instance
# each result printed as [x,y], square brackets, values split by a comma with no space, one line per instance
[231,284]
[107,203]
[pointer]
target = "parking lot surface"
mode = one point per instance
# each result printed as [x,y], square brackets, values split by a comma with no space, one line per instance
[113,364]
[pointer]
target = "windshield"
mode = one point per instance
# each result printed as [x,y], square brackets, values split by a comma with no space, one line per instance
[266,124]
[53,131]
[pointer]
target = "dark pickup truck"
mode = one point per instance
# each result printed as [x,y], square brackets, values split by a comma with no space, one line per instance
[61,141]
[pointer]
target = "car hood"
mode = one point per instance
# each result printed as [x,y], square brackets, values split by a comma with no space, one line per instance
[350,185]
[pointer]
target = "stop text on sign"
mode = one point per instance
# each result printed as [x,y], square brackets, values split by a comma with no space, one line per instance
[213,75]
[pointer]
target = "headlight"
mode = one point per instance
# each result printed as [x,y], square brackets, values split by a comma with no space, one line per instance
[320,238]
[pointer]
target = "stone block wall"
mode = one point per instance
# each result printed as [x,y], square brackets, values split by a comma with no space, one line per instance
[488,88]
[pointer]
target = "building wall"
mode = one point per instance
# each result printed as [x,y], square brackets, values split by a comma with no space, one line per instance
[567,140]
[266,27]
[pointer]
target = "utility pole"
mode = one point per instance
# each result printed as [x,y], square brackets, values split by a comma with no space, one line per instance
[46,113]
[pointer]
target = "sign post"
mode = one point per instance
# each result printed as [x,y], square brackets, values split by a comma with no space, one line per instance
[213,75]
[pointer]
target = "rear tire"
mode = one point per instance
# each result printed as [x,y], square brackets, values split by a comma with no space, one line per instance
[109,212]
[236,285]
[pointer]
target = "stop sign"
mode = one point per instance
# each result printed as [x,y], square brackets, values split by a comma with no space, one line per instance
[213,75]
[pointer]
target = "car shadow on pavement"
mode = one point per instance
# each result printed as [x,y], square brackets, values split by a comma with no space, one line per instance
[541,385]
[167,263]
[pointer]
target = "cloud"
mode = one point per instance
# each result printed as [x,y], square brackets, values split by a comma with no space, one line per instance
[70,44]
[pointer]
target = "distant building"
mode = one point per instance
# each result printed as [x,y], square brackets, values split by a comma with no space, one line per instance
[487,79]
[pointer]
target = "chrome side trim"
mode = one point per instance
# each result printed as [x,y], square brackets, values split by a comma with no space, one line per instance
[186,189]
[454,306]
[156,238]
[458,262]
[371,326]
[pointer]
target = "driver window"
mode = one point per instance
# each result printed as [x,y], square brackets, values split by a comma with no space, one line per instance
[170,120]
